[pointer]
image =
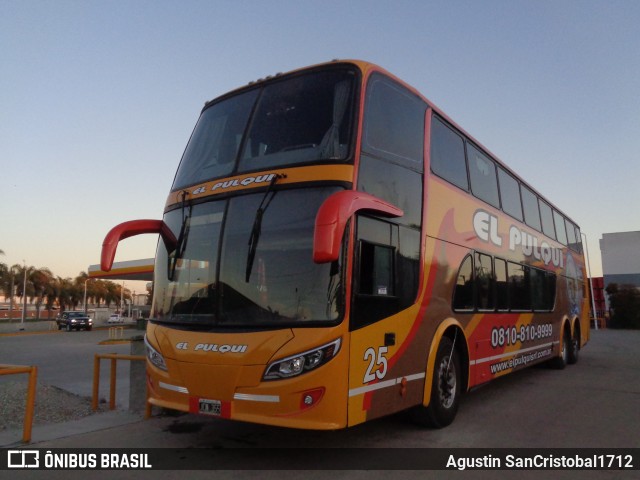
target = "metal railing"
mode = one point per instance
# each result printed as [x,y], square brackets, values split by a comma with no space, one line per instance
[31,395]
[114,357]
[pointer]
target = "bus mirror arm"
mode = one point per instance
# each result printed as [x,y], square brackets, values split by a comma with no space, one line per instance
[333,216]
[130,229]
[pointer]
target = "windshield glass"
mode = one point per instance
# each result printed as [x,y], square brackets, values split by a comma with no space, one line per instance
[303,118]
[213,146]
[281,286]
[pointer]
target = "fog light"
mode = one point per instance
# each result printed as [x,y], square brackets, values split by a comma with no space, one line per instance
[311,398]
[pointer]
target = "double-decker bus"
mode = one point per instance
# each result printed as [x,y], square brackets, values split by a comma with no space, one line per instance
[335,249]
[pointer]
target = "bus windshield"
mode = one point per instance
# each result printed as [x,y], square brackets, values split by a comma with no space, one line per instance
[210,280]
[300,119]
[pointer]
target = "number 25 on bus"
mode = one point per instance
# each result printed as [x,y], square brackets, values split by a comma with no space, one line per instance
[334,249]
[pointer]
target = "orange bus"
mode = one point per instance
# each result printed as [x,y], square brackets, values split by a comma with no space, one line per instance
[335,249]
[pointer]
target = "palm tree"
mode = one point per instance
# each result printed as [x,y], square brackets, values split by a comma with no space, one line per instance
[23,273]
[40,280]
[64,287]
[51,295]
[99,291]
[7,282]
[4,280]
[111,295]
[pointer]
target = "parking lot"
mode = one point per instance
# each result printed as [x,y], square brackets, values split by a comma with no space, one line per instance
[591,404]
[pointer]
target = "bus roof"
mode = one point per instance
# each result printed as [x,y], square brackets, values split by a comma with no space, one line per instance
[367,68]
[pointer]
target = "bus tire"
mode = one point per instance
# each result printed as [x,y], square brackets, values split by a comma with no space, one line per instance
[445,388]
[574,347]
[562,360]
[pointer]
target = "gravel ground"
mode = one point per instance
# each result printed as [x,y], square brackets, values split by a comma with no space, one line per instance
[53,405]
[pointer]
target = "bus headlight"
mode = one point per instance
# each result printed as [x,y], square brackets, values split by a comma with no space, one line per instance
[303,362]
[154,356]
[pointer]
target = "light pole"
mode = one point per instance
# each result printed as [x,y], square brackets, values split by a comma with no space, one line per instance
[11,288]
[593,301]
[85,294]
[24,295]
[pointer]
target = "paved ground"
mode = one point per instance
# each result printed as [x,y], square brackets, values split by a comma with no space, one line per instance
[592,404]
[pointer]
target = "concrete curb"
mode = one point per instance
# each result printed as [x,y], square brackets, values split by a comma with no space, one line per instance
[55,431]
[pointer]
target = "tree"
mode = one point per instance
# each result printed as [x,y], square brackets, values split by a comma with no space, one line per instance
[99,291]
[40,279]
[4,279]
[7,283]
[43,288]
[624,301]
[51,295]
[20,284]
[65,293]
[113,293]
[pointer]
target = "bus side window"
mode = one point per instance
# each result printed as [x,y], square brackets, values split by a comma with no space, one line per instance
[519,290]
[543,290]
[547,220]
[560,227]
[376,269]
[484,280]
[502,288]
[463,292]
[394,123]
[447,154]
[531,209]
[510,194]
[375,290]
[482,172]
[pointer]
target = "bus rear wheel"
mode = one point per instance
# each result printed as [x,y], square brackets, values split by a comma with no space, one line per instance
[445,388]
[562,360]
[574,347]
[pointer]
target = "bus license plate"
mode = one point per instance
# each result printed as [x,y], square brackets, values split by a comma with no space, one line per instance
[210,407]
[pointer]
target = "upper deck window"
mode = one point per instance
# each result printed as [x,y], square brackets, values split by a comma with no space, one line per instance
[510,194]
[394,123]
[531,209]
[303,119]
[547,220]
[447,154]
[560,227]
[214,143]
[482,172]
[299,119]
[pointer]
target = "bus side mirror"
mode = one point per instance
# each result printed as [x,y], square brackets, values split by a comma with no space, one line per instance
[332,218]
[130,229]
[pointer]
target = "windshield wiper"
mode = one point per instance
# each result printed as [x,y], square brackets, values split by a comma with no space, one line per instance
[256,230]
[181,244]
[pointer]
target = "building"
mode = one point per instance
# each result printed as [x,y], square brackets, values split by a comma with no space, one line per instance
[621,258]
[620,264]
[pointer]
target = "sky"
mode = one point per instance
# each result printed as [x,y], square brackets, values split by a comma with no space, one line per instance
[98,99]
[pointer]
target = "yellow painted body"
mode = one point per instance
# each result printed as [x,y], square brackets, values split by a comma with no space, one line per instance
[370,376]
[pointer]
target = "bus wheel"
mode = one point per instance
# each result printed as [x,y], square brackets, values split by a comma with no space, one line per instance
[574,347]
[445,388]
[562,360]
